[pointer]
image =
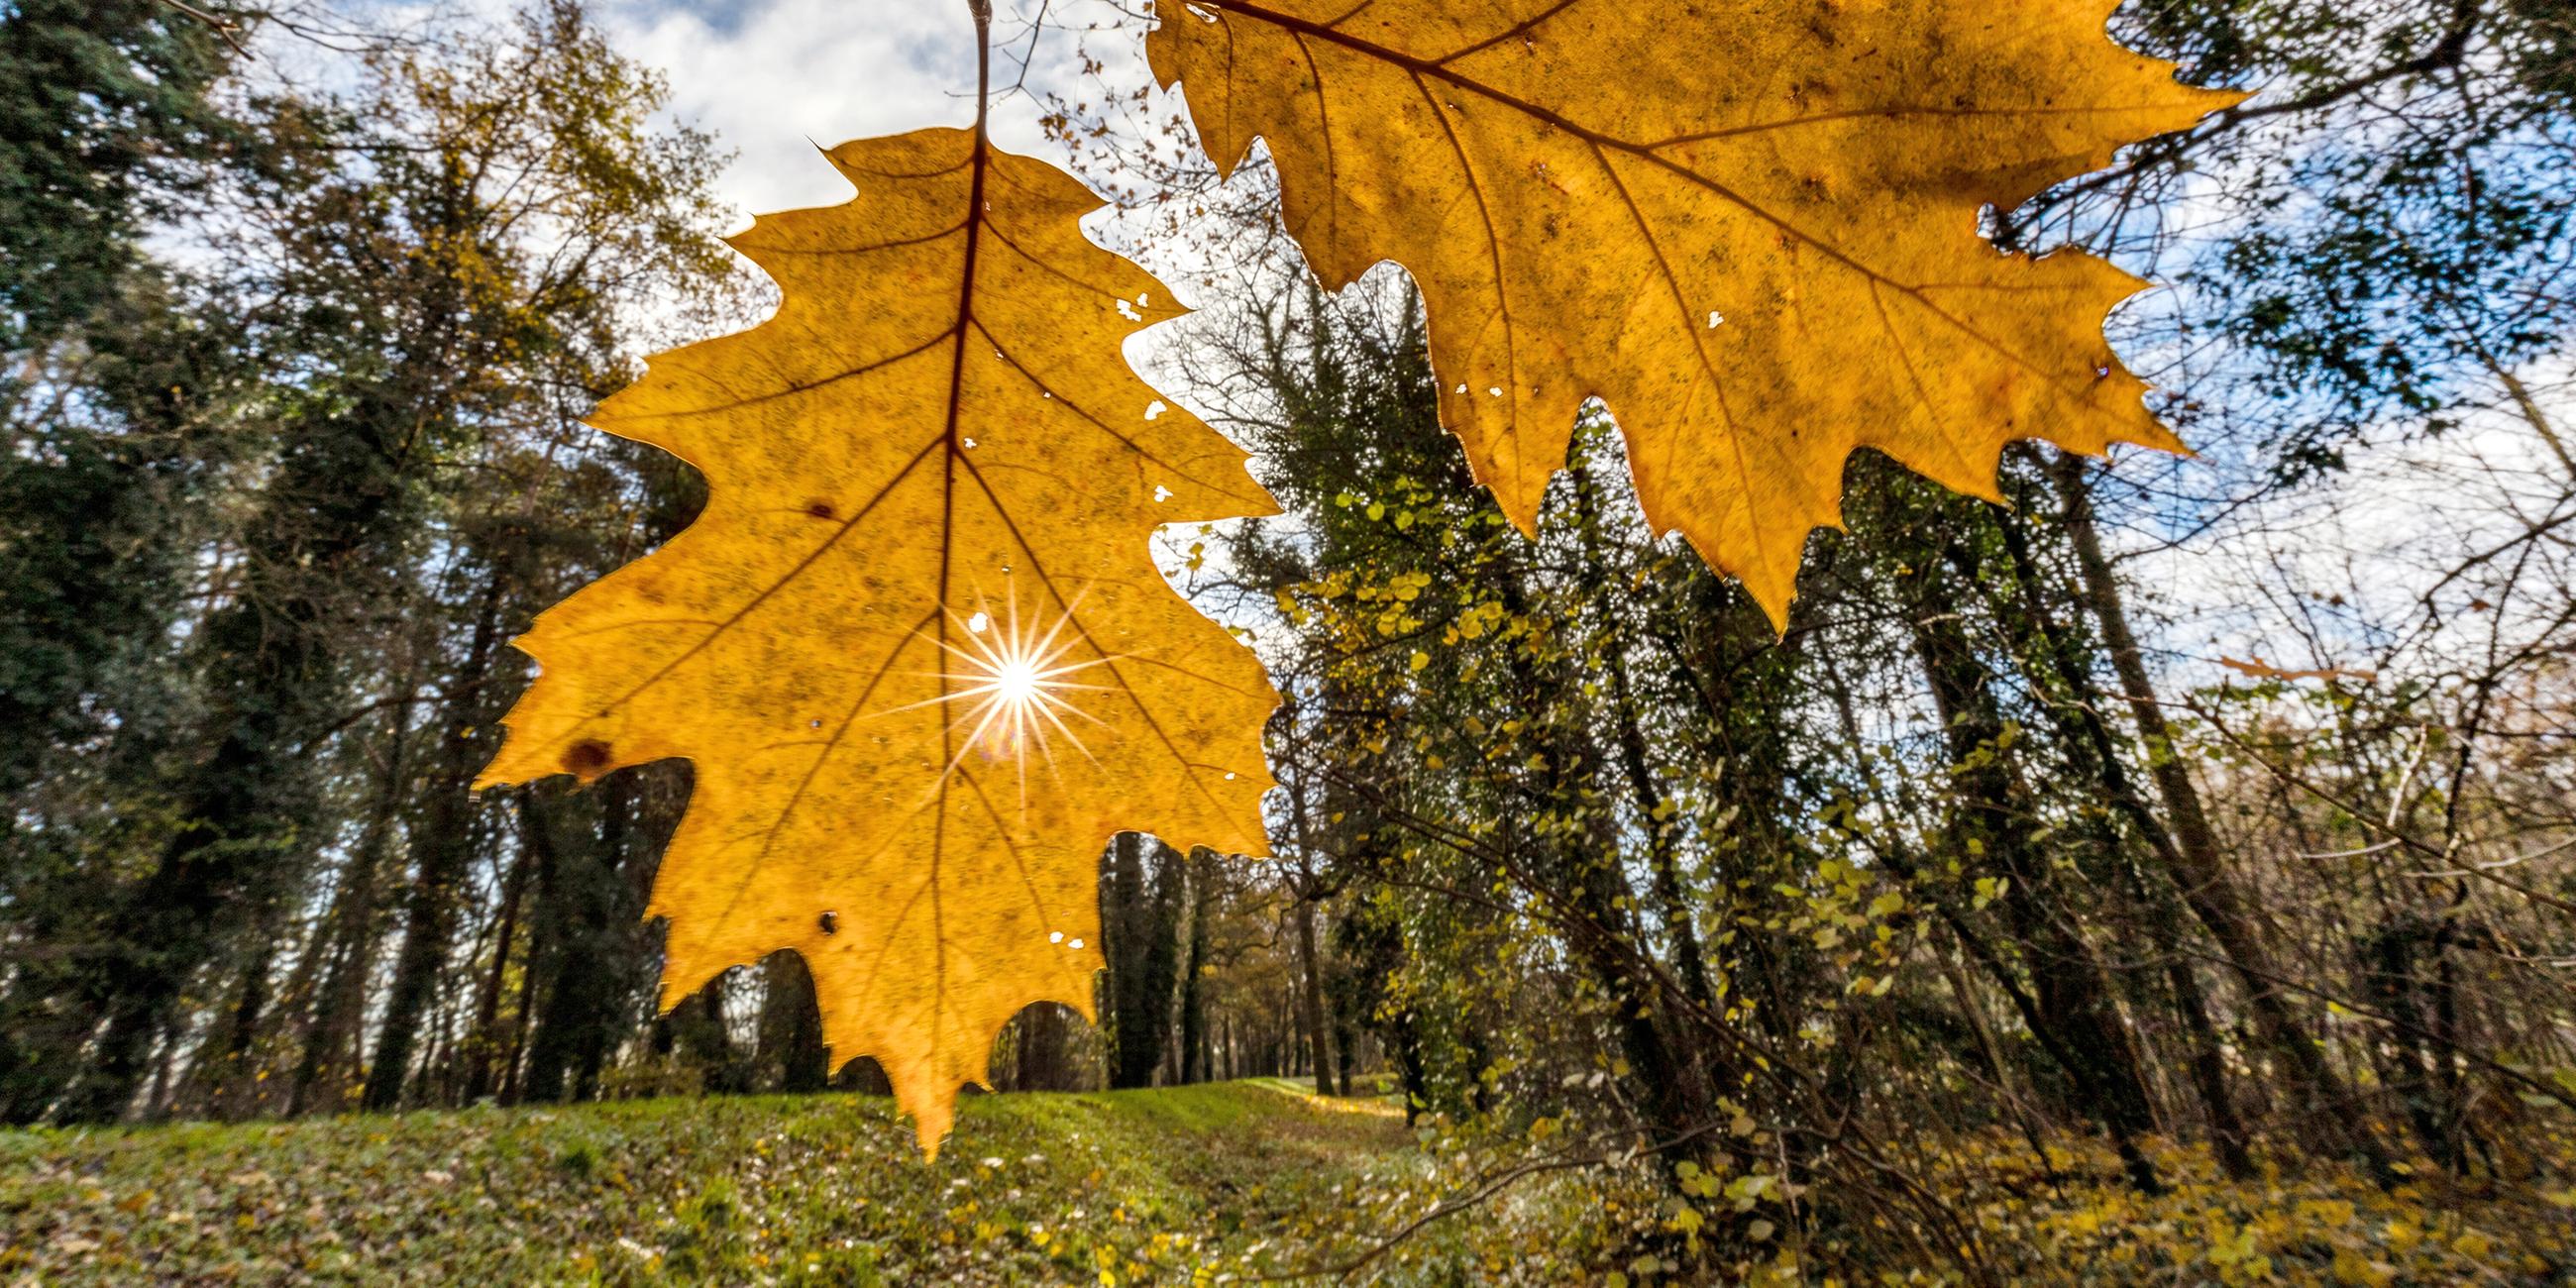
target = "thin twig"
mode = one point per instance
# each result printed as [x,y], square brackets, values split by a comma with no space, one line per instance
[224,27]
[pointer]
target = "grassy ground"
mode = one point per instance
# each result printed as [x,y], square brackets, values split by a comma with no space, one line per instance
[1117,1187]
[1232,1182]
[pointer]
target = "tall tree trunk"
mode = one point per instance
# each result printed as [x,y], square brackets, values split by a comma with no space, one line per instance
[1122,895]
[584,944]
[1305,891]
[485,1073]
[1043,1054]
[2207,887]
[1140,920]
[791,1028]
[1667,1068]
[1310,995]
[339,1006]
[443,847]
[2071,991]
[2052,660]
[1195,967]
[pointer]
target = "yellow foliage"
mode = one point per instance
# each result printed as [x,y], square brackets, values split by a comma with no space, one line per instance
[2312,1222]
[915,646]
[1752,230]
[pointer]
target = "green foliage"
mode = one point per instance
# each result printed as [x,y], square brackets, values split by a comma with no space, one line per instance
[2404,216]
[105,105]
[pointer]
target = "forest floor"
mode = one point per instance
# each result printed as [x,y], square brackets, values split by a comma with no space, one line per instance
[1223,1183]
[1172,1185]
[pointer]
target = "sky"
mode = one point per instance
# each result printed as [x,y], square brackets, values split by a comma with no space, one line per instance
[774,78]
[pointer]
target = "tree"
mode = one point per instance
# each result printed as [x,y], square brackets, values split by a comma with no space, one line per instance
[554,125]
[109,109]
[1141,889]
[410,319]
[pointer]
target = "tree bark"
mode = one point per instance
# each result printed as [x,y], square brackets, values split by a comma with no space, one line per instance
[1140,921]
[444,844]
[2051,659]
[2201,873]
[339,1006]
[2071,991]
[791,1027]
[486,1073]
[1042,1055]
[1195,968]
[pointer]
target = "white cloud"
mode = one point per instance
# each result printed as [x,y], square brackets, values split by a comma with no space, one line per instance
[774,79]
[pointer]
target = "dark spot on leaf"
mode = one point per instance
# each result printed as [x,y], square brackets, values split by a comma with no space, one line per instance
[830,922]
[819,509]
[589,756]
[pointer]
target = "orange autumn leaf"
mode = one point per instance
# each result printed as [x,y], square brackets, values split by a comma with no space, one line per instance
[1750,229]
[2263,670]
[915,646]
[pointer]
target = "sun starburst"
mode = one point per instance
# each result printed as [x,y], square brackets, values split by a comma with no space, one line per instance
[1012,684]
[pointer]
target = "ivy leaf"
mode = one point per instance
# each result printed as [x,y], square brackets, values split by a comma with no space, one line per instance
[1750,229]
[915,646]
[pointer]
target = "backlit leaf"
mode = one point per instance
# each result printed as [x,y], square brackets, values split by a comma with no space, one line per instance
[1750,228]
[915,647]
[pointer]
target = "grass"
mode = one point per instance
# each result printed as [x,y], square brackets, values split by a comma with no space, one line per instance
[1095,1188]
[1189,1185]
